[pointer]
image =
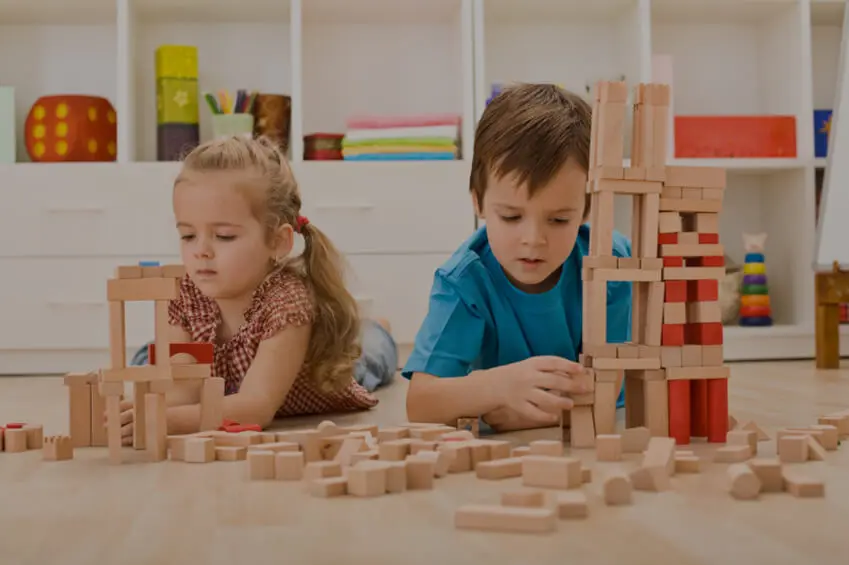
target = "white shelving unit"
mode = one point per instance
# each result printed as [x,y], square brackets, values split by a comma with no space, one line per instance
[395,221]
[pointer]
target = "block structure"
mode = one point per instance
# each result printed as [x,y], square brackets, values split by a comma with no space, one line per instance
[159,284]
[675,380]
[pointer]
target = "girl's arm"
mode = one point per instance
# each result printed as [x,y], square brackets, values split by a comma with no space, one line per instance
[276,366]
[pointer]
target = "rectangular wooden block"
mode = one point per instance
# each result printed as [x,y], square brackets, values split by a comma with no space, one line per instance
[690,205]
[551,472]
[697,177]
[505,518]
[142,289]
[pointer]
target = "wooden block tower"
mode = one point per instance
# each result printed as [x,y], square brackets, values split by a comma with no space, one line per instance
[665,323]
[150,382]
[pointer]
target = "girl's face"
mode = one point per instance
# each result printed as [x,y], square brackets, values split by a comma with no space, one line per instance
[224,247]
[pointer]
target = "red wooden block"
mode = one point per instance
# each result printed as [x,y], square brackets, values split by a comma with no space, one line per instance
[243,428]
[717,401]
[709,333]
[733,136]
[203,352]
[698,408]
[706,261]
[708,238]
[227,423]
[703,290]
[673,261]
[672,334]
[15,426]
[679,411]
[667,238]
[675,291]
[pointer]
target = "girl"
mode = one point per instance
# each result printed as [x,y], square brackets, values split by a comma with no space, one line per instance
[287,335]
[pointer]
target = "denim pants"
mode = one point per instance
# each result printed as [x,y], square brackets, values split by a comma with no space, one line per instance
[377,364]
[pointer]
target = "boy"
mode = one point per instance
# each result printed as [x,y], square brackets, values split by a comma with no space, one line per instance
[505,309]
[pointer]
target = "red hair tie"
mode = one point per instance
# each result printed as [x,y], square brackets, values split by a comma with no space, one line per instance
[302,221]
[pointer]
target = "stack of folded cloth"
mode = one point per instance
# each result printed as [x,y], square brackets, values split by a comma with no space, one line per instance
[402,138]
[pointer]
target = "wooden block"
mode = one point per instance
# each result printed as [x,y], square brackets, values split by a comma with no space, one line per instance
[551,472]
[704,312]
[128,272]
[583,426]
[421,472]
[572,504]
[697,177]
[546,447]
[651,264]
[323,469]
[769,472]
[635,275]
[394,450]
[674,313]
[827,437]
[689,205]
[15,440]
[693,273]
[396,477]
[792,448]
[689,193]
[520,451]
[651,479]
[417,445]
[759,433]
[367,478]
[635,440]
[523,497]
[430,433]
[289,466]
[617,489]
[801,486]
[691,356]
[498,449]
[733,454]
[276,447]
[328,487]
[497,518]
[57,448]
[156,427]
[839,421]
[692,250]
[389,434]
[608,447]
[623,186]
[261,465]
[212,403]
[79,413]
[743,437]
[687,464]
[142,289]
[670,191]
[586,475]
[669,222]
[231,453]
[660,453]
[242,439]
[689,373]
[173,271]
[816,452]
[743,483]
[706,222]
[498,469]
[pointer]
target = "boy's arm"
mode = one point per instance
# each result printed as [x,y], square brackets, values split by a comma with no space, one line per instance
[275,367]
[442,388]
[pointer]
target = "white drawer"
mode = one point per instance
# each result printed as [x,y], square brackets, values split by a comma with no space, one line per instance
[415,207]
[396,287]
[87,210]
[61,304]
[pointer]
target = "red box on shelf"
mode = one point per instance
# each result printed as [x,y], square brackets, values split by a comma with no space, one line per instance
[735,136]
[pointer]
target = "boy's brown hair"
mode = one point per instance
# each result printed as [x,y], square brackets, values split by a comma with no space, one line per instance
[530,130]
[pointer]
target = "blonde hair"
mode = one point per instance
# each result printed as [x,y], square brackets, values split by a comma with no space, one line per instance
[275,201]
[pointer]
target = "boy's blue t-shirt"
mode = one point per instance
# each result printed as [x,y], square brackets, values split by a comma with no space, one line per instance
[477,319]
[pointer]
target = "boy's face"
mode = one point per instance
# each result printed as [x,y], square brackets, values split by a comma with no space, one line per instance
[531,238]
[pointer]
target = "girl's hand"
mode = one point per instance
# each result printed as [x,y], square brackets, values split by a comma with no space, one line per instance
[127,420]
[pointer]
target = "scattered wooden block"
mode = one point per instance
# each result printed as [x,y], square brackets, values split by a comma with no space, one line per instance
[57,448]
[329,487]
[792,448]
[733,454]
[547,447]
[368,478]
[523,497]
[769,472]
[499,469]
[261,465]
[199,450]
[608,447]
[635,440]
[801,486]
[551,472]
[231,453]
[617,489]
[572,504]
[744,437]
[743,483]
[289,465]
[505,518]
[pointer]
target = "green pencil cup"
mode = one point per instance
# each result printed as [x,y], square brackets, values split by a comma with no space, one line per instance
[7,125]
[227,125]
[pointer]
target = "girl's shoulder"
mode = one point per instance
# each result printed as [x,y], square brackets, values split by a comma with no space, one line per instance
[283,298]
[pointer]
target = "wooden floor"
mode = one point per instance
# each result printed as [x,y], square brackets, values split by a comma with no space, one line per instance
[86,511]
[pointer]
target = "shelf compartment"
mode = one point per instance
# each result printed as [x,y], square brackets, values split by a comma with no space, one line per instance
[754,66]
[40,44]
[385,58]
[541,41]
[241,45]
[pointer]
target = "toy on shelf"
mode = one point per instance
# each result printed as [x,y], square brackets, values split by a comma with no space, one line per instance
[755,308]
[232,117]
[71,128]
[273,117]
[323,146]
[429,137]
[675,381]
[8,149]
[177,116]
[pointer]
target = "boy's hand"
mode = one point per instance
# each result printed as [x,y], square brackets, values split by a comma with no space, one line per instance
[533,387]
[127,419]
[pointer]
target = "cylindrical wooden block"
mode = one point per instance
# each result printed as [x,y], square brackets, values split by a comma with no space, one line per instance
[698,408]
[717,405]
[743,483]
[272,118]
[679,411]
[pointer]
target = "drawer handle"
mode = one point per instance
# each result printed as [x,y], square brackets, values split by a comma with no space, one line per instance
[77,210]
[345,206]
[89,305]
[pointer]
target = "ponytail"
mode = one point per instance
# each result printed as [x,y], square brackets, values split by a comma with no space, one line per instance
[334,344]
